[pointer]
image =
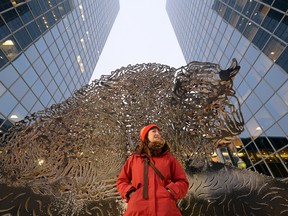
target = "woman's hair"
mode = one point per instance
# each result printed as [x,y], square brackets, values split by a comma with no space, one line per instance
[152,148]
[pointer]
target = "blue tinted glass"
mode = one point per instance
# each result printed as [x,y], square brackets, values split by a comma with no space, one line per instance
[38,88]
[19,89]
[23,38]
[24,13]
[3,59]
[249,8]
[276,77]
[10,102]
[262,64]
[38,106]
[30,76]
[242,22]
[4,31]
[8,75]
[21,63]
[48,38]
[46,77]
[283,60]
[42,25]
[41,45]
[47,57]
[32,53]
[252,78]
[282,29]
[276,107]
[263,91]
[39,66]
[271,20]
[251,54]
[45,98]
[56,14]
[5,4]
[50,19]
[259,13]
[28,100]
[12,19]
[284,124]
[261,38]
[52,87]
[264,118]
[33,30]
[283,93]
[253,103]
[250,31]
[281,5]
[35,8]
[274,48]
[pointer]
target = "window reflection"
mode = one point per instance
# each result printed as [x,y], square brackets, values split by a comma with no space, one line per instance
[253,102]
[250,30]
[276,77]
[23,38]
[276,107]
[274,48]
[264,118]
[24,13]
[272,19]
[10,47]
[10,102]
[4,31]
[3,59]
[259,13]
[284,123]
[263,91]
[282,29]
[33,30]
[283,59]
[261,38]
[12,19]
[254,128]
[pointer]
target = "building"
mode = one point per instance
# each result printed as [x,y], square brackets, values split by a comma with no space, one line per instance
[255,32]
[48,49]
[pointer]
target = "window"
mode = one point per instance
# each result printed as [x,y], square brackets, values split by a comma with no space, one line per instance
[261,38]
[12,19]
[250,30]
[274,48]
[10,47]
[283,60]
[259,13]
[24,13]
[282,30]
[3,59]
[4,31]
[271,20]
[23,38]
[33,30]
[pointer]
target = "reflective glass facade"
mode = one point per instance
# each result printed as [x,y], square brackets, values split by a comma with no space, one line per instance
[48,49]
[255,32]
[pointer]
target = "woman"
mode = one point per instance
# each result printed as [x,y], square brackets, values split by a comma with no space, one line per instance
[152,180]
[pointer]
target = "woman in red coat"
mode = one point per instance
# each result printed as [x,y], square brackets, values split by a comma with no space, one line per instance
[152,180]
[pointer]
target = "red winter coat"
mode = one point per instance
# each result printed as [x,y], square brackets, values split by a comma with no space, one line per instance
[160,201]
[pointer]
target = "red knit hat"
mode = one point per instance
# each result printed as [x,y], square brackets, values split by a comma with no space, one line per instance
[145,130]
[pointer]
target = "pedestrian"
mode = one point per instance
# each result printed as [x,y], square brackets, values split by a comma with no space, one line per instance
[152,180]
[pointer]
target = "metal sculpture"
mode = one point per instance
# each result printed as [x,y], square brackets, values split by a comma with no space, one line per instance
[64,160]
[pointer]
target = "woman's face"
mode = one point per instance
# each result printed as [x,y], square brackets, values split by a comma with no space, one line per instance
[154,135]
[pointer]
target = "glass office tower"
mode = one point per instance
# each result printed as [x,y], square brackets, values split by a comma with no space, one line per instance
[255,32]
[48,49]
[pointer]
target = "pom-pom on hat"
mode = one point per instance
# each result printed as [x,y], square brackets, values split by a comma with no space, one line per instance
[144,131]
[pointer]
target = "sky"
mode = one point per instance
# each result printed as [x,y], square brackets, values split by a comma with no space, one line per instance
[142,33]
